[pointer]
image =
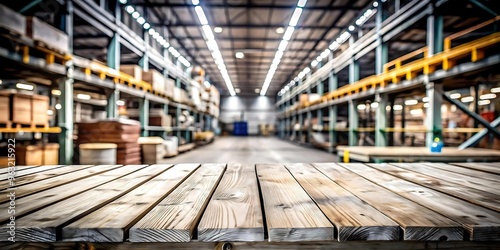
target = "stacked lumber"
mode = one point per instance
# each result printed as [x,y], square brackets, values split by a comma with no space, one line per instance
[122,132]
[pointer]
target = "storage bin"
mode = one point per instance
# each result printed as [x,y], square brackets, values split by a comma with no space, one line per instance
[29,155]
[98,154]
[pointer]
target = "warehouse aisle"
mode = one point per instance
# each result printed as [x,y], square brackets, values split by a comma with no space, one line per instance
[252,150]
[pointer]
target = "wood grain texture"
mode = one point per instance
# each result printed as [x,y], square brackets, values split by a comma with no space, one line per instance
[417,222]
[42,175]
[26,170]
[42,199]
[469,181]
[472,195]
[291,215]
[353,218]
[481,166]
[111,222]
[42,185]
[234,212]
[43,225]
[491,178]
[314,245]
[482,224]
[174,218]
[5,169]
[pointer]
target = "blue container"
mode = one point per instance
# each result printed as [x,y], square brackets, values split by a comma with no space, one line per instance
[437,146]
[240,128]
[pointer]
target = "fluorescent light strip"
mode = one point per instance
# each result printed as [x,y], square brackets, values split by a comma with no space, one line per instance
[341,39]
[213,47]
[282,47]
[159,38]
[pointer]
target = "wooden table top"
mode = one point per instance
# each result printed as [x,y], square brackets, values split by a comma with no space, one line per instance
[204,204]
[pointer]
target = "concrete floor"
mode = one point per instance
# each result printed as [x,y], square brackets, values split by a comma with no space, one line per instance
[251,150]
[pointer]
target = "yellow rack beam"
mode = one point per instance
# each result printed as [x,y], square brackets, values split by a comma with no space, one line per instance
[51,130]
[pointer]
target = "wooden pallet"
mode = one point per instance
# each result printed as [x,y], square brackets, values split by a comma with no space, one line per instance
[263,206]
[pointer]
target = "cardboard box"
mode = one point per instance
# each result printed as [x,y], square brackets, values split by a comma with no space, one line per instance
[47,34]
[214,95]
[21,109]
[156,79]
[29,155]
[12,21]
[169,87]
[153,149]
[51,154]
[303,99]
[177,95]
[39,107]
[194,95]
[4,108]
[133,70]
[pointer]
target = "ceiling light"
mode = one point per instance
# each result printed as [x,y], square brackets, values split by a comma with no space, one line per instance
[0,82]
[208,32]
[351,28]
[301,3]
[257,90]
[129,9]
[374,105]
[467,99]
[50,112]
[375,4]
[282,46]
[425,99]
[295,17]
[123,1]
[319,58]
[174,52]
[306,70]
[217,29]
[58,106]
[166,45]
[136,15]
[201,15]
[314,63]
[398,107]
[279,54]
[334,45]
[207,84]
[426,105]
[146,26]
[455,95]
[195,2]
[361,107]
[240,55]
[296,79]
[280,30]
[55,92]
[493,90]
[24,86]
[83,96]
[325,53]
[120,103]
[288,34]
[416,112]
[151,31]
[237,90]
[411,102]
[301,75]
[484,102]
[287,88]
[487,96]
[141,20]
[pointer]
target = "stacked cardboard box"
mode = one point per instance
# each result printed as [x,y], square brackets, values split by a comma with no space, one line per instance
[47,154]
[12,21]
[169,87]
[23,108]
[156,79]
[133,70]
[47,35]
[122,132]
[39,107]
[157,117]
[177,95]
[4,108]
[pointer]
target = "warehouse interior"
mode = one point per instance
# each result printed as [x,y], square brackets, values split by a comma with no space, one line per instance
[250,124]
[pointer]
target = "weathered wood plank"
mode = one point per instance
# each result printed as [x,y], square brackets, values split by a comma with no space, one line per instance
[112,222]
[42,185]
[174,218]
[491,178]
[5,169]
[482,224]
[43,225]
[354,219]
[234,212]
[472,195]
[30,178]
[469,181]
[481,166]
[290,213]
[314,245]
[42,199]
[20,171]
[417,222]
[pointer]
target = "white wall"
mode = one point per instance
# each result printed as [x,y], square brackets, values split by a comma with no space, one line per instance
[253,109]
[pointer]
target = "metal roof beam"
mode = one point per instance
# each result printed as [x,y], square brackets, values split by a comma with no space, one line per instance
[250,26]
[245,6]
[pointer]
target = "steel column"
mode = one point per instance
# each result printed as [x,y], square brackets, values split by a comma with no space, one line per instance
[353,111]
[381,120]
[144,115]
[381,52]
[433,122]
[435,37]
[320,111]
[111,108]
[332,113]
